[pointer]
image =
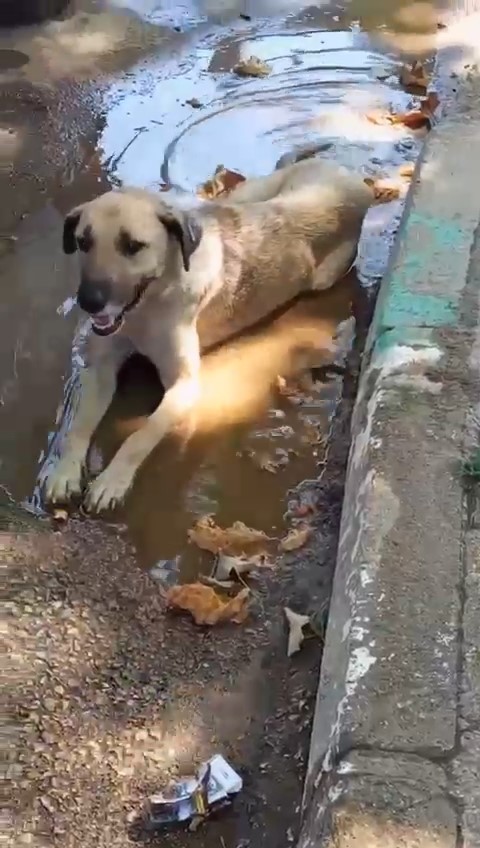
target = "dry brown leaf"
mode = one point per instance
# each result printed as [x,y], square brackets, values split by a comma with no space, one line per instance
[222,182]
[296,623]
[407,170]
[252,67]
[414,119]
[422,117]
[384,191]
[414,76]
[205,606]
[238,565]
[295,539]
[379,117]
[235,540]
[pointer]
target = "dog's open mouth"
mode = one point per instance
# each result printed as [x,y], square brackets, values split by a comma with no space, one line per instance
[104,324]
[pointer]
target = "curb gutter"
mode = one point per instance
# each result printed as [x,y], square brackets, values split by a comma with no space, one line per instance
[395,747]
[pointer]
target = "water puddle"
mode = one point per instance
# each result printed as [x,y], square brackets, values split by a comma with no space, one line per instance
[254,442]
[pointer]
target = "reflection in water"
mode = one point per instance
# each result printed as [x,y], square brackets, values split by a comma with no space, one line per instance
[327,73]
[321,86]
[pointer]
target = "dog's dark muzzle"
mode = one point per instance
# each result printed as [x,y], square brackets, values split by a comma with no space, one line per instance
[93,296]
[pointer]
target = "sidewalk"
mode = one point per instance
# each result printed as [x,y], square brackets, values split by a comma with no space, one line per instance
[395,748]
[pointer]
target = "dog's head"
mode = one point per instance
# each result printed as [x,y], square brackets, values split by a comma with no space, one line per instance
[126,239]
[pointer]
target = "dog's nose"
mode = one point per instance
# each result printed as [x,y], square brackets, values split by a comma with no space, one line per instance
[92,296]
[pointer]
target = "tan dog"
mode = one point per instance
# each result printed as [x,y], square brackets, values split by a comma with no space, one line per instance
[171,283]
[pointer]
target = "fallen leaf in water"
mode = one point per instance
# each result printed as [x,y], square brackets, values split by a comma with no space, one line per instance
[265,463]
[407,170]
[422,117]
[414,76]
[380,118]
[235,540]
[384,191]
[414,119]
[252,67]
[295,538]
[313,434]
[296,623]
[272,464]
[226,565]
[222,182]
[205,606]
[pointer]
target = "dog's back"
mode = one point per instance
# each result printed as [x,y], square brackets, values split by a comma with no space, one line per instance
[294,231]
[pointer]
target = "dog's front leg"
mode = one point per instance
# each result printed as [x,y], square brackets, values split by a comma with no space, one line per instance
[98,382]
[180,374]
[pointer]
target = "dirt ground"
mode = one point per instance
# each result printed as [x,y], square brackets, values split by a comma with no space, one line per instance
[108,695]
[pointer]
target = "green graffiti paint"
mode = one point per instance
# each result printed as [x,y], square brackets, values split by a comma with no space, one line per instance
[425,239]
[410,309]
[411,336]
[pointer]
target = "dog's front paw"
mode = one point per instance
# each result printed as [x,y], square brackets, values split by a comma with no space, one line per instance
[109,489]
[65,480]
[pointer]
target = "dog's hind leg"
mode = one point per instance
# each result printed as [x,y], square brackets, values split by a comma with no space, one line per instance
[97,386]
[335,265]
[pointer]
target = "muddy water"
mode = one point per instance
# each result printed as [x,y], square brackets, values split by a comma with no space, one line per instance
[139,64]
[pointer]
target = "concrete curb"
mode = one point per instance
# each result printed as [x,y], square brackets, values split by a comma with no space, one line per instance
[395,747]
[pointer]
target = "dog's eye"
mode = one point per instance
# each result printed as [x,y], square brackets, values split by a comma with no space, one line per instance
[127,245]
[83,244]
[133,247]
[85,240]
[130,247]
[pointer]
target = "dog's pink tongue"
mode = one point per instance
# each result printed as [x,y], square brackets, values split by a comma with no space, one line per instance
[101,320]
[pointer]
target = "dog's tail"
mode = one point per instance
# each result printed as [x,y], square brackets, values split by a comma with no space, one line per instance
[304,151]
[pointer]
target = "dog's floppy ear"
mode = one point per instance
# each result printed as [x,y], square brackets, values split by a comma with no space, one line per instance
[184,227]
[69,226]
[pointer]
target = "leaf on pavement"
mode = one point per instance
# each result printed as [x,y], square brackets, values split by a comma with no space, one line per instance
[205,606]
[296,623]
